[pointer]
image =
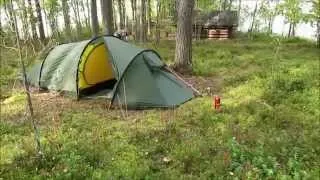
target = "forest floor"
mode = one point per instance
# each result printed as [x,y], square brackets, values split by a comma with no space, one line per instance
[268,127]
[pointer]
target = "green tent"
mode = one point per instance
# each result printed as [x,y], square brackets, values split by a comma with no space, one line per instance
[108,66]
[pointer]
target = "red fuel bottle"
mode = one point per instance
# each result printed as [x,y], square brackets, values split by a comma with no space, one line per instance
[217,103]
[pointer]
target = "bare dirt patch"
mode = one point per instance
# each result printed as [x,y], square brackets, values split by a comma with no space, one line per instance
[208,86]
[49,106]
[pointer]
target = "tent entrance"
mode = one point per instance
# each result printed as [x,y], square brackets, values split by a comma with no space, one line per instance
[95,71]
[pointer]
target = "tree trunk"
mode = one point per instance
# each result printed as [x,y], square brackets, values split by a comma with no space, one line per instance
[230,5]
[75,8]
[46,17]
[149,9]
[66,18]
[126,24]
[9,12]
[40,21]
[124,15]
[293,30]
[24,18]
[137,20]
[51,17]
[94,19]
[107,16]
[239,12]
[32,20]
[52,26]
[133,10]
[1,30]
[290,27]
[114,15]
[318,33]
[224,6]
[143,21]
[121,24]
[183,55]
[88,10]
[57,26]
[77,14]
[158,22]
[270,25]
[253,17]
[86,16]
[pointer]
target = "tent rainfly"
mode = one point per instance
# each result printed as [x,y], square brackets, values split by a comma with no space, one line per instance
[122,72]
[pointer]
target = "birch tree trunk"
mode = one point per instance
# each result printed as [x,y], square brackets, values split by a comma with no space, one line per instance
[183,55]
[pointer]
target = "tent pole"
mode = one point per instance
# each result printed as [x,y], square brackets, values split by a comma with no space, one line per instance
[181,79]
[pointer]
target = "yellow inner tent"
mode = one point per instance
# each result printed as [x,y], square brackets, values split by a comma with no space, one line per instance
[94,67]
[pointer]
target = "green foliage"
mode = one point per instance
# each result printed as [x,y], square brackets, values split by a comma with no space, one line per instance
[314,15]
[268,11]
[207,5]
[292,11]
[268,127]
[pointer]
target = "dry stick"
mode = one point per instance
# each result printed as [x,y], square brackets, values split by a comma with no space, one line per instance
[121,110]
[180,78]
[125,97]
[26,86]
